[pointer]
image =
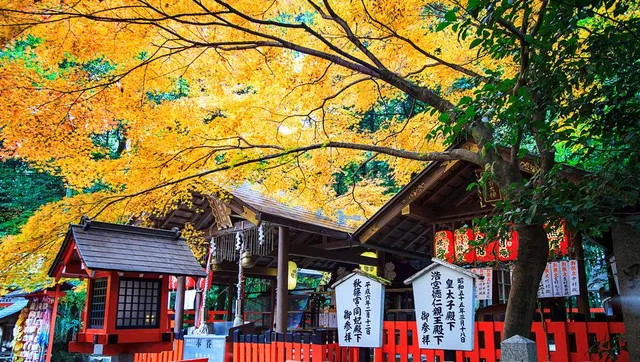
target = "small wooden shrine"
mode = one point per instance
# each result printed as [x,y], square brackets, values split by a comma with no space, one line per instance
[128,269]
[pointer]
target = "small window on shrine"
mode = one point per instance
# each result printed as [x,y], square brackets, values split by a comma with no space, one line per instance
[504,285]
[98,302]
[138,303]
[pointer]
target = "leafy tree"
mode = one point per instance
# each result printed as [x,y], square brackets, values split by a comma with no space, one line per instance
[281,94]
[22,191]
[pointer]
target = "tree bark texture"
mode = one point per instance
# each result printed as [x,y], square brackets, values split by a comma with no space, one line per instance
[533,250]
[578,253]
[626,248]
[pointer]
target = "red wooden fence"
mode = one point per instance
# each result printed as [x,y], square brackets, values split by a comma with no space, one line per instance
[563,341]
[566,341]
[167,356]
[272,347]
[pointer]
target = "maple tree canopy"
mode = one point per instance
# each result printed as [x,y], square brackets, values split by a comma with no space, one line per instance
[137,104]
[132,97]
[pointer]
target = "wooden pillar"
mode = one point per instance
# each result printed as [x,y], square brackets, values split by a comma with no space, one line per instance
[282,281]
[272,291]
[626,247]
[197,306]
[583,297]
[381,261]
[230,301]
[52,326]
[179,306]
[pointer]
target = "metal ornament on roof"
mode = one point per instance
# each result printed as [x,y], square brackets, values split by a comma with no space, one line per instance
[258,241]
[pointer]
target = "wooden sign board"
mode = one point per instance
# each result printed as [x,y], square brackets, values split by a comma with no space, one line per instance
[444,294]
[359,305]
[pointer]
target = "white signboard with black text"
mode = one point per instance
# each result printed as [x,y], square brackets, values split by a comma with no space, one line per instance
[359,310]
[484,285]
[444,304]
[560,279]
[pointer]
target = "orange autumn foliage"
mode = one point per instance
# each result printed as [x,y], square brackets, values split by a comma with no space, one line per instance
[251,95]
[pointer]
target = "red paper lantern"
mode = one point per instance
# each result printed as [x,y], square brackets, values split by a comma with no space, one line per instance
[502,249]
[464,252]
[443,245]
[558,238]
[485,251]
[508,247]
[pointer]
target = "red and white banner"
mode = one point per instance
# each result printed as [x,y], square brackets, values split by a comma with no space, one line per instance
[484,284]
[560,279]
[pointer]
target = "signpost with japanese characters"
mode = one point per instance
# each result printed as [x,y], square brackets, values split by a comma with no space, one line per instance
[444,294]
[359,305]
[560,279]
[484,286]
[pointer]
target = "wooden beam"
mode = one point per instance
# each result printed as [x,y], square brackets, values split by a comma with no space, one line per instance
[415,226]
[340,244]
[232,269]
[403,253]
[330,255]
[455,213]
[396,206]
[237,226]
[418,212]
[316,229]
[282,304]
[402,222]
[426,230]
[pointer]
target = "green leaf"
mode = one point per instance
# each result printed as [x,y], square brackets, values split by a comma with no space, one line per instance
[475,43]
[443,25]
[444,117]
[472,5]
[450,15]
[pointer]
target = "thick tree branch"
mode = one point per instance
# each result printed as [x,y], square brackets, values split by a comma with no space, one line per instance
[415,46]
[455,154]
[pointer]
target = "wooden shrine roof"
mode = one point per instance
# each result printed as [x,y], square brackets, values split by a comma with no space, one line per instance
[437,197]
[106,246]
[316,241]
[275,211]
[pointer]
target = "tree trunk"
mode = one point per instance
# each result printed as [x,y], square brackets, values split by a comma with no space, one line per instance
[533,250]
[578,253]
[626,248]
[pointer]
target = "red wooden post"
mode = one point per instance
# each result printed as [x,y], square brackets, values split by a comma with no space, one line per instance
[541,340]
[579,331]
[288,345]
[52,325]
[280,351]
[558,329]
[414,348]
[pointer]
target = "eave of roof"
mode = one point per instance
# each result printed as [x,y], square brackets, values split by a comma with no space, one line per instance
[107,246]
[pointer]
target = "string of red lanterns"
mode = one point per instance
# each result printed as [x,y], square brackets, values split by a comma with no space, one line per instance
[456,246]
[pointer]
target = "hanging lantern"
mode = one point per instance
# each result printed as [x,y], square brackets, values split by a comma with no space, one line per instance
[369,268]
[502,249]
[508,246]
[293,276]
[443,245]
[558,238]
[485,250]
[464,253]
